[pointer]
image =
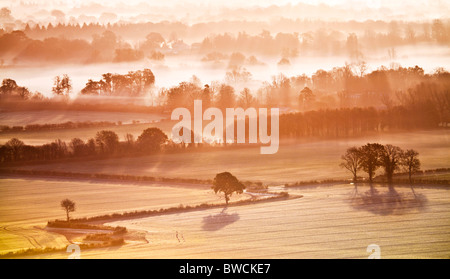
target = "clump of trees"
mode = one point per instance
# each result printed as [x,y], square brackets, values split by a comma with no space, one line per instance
[135,83]
[373,156]
[62,85]
[10,90]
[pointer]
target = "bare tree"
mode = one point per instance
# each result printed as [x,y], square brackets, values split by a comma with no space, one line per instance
[371,158]
[246,98]
[352,161]
[410,162]
[390,159]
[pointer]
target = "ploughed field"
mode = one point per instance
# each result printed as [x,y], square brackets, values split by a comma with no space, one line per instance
[26,204]
[329,221]
[333,221]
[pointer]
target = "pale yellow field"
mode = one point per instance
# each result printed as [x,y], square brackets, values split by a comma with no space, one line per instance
[26,205]
[300,161]
[328,222]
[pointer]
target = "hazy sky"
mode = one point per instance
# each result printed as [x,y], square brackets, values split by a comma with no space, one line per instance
[370,3]
[239,3]
[188,10]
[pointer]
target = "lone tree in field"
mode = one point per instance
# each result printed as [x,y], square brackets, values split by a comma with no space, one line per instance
[228,184]
[410,162]
[68,206]
[390,159]
[371,153]
[352,161]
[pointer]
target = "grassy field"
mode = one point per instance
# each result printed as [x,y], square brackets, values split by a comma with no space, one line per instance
[27,204]
[328,222]
[22,118]
[294,162]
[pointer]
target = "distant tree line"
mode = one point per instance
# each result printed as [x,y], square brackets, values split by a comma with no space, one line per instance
[103,47]
[372,156]
[105,144]
[355,121]
[56,126]
[397,90]
[342,87]
[100,43]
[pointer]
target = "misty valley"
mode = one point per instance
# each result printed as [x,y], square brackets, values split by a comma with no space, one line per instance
[225,130]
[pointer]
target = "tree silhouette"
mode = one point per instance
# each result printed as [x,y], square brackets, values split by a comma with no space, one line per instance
[68,206]
[107,141]
[390,159]
[371,158]
[62,85]
[352,161]
[16,146]
[226,97]
[246,98]
[305,97]
[10,88]
[151,139]
[228,184]
[410,161]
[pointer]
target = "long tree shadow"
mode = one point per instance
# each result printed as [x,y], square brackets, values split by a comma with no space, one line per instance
[219,221]
[388,202]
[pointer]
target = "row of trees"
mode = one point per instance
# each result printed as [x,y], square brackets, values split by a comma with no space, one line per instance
[327,41]
[102,44]
[105,47]
[372,156]
[56,126]
[319,31]
[341,87]
[324,123]
[133,84]
[106,143]
[357,121]
[321,39]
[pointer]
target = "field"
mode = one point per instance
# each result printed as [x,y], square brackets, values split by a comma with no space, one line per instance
[27,204]
[328,222]
[52,117]
[298,161]
[19,118]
